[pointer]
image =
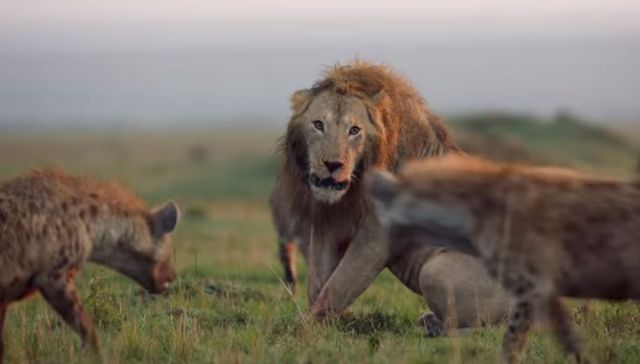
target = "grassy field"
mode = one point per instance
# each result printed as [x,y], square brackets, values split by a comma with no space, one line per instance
[229,304]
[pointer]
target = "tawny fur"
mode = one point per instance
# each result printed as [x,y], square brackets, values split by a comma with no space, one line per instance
[407,130]
[51,223]
[342,238]
[543,233]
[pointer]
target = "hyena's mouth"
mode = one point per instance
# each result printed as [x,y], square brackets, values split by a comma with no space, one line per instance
[328,183]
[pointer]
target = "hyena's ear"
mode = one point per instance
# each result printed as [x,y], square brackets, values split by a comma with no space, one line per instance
[165,219]
[383,187]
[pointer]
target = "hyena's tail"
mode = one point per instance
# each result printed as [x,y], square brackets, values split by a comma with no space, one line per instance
[287,251]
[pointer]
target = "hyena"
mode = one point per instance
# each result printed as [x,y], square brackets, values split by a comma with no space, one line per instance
[456,287]
[543,233]
[51,223]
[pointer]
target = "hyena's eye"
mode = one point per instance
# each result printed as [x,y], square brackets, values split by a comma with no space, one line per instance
[319,125]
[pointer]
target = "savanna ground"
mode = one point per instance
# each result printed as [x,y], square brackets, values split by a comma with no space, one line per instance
[229,304]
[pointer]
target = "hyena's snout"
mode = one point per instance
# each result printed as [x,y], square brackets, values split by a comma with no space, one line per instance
[163,274]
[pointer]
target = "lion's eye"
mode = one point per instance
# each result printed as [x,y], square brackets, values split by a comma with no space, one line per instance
[354,130]
[318,125]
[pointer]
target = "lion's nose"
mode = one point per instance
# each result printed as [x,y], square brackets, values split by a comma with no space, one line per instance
[333,166]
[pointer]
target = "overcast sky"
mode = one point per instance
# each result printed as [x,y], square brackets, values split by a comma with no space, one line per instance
[154,59]
[613,14]
[191,21]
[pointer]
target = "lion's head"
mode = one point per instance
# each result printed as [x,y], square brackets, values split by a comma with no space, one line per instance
[337,136]
[358,116]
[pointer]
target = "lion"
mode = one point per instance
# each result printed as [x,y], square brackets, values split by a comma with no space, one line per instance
[361,116]
[289,239]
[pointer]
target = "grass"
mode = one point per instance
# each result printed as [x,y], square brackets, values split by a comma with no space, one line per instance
[229,304]
[561,141]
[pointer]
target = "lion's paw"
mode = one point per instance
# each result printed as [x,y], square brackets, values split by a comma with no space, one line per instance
[433,326]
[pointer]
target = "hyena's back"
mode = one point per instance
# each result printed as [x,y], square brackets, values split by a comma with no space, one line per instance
[33,235]
[597,225]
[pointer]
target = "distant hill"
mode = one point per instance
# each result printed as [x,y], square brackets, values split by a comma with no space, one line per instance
[564,140]
[628,130]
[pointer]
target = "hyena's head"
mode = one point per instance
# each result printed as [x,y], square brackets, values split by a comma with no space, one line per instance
[425,214]
[139,246]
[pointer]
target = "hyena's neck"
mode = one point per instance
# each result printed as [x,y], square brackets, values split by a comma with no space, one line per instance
[105,229]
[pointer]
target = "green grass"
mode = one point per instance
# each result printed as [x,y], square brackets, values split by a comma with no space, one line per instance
[228,303]
[566,142]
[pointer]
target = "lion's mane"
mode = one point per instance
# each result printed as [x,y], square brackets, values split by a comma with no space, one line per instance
[406,129]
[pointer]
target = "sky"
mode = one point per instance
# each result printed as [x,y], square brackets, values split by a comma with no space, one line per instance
[154,61]
[258,20]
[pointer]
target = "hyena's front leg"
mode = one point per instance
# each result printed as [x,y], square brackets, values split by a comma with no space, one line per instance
[532,297]
[3,312]
[58,289]
[518,327]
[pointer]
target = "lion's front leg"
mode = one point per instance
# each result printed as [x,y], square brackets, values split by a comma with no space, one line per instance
[323,258]
[365,258]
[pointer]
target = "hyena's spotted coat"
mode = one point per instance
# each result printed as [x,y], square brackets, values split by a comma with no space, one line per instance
[51,223]
[543,233]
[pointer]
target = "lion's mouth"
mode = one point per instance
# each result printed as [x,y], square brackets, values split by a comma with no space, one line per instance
[329,183]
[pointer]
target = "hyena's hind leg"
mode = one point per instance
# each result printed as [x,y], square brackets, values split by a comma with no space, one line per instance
[565,330]
[287,251]
[58,289]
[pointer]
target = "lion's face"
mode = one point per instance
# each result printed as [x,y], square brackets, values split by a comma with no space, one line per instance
[335,128]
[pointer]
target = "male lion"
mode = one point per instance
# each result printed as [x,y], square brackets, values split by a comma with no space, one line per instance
[361,116]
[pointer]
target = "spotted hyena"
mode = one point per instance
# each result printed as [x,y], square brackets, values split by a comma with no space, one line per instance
[543,233]
[51,223]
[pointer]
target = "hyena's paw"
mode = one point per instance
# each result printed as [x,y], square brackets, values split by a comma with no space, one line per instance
[433,326]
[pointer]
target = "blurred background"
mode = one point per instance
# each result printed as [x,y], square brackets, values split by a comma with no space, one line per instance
[187,99]
[106,64]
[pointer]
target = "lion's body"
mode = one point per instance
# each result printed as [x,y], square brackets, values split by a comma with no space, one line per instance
[326,209]
[456,287]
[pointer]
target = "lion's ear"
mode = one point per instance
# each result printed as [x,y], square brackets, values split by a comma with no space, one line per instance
[379,97]
[300,101]
[376,106]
